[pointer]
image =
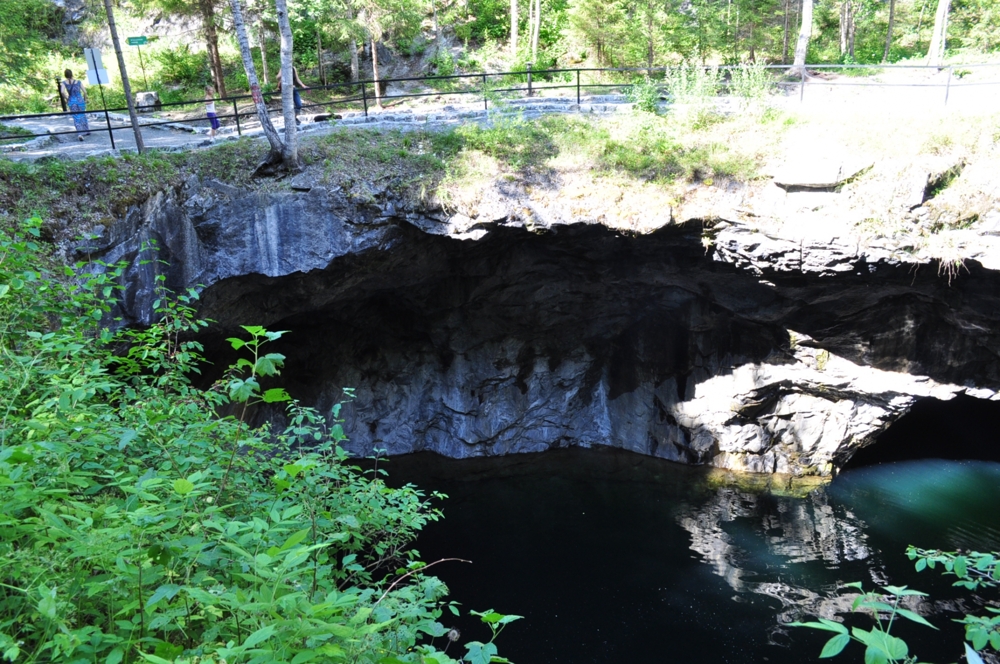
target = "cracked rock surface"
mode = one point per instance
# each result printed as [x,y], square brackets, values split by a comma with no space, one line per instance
[696,338]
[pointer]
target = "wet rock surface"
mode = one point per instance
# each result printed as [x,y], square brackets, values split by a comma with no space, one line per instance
[706,342]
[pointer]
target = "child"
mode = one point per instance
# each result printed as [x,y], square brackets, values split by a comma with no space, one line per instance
[210,110]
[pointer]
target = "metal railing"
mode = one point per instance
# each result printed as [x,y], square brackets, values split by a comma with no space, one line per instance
[496,85]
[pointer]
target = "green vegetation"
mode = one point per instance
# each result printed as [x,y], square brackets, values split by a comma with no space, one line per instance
[973,570]
[479,36]
[12,134]
[140,524]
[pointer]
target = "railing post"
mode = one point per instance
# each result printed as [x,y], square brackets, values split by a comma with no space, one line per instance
[486,100]
[947,87]
[236,114]
[802,84]
[59,94]
[111,134]
[528,66]
[577,87]
[364,97]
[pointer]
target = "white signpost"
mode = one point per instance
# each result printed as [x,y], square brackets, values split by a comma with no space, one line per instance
[96,73]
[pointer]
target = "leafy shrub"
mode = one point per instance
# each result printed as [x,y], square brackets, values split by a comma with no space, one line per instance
[973,570]
[645,95]
[180,66]
[136,524]
[751,82]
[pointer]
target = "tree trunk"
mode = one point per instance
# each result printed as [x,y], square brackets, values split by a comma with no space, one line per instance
[805,33]
[785,40]
[275,155]
[888,32]
[263,49]
[353,45]
[125,85]
[920,23]
[536,28]
[437,27]
[752,56]
[650,53]
[212,42]
[514,20]
[290,154]
[319,55]
[847,28]
[939,39]
[378,88]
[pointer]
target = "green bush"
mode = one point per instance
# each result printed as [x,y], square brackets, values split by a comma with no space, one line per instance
[180,66]
[136,524]
[645,95]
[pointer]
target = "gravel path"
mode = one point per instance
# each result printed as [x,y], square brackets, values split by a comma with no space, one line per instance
[927,91]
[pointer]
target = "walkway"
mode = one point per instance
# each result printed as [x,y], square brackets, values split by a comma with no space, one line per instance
[187,136]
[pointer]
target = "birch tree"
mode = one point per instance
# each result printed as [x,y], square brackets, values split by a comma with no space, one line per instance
[290,152]
[515,19]
[805,33]
[939,38]
[277,148]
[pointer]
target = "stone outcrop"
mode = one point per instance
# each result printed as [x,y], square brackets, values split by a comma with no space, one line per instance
[521,326]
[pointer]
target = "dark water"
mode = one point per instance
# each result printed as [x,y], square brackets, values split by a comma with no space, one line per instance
[614,557]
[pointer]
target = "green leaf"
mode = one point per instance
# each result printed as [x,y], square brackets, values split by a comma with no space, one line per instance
[261,635]
[835,645]
[115,656]
[479,653]
[921,565]
[153,659]
[166,591]
[910,615]
[961,564]
[972,656]
[853,584]
[827,625]
[47,606]
[236,343]
[276,395]
[295,539]
[4,289]
[183,487]
[875,655]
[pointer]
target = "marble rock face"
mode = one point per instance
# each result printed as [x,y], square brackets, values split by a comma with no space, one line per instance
[486,336]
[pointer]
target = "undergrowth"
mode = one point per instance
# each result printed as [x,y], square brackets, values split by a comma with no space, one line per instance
[139,525]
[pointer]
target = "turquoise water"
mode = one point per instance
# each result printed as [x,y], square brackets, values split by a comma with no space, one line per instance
[613,557]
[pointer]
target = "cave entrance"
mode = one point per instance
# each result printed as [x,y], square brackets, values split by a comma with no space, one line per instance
[962,428]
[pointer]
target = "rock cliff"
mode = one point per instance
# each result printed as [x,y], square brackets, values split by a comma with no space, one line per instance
[518,325]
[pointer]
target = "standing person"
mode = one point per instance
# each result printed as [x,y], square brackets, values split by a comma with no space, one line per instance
[75,96]
[210,111]
[296,84]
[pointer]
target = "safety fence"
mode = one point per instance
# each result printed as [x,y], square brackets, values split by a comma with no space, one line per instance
[497,86]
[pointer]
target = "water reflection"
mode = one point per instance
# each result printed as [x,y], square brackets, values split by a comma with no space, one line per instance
[611,555]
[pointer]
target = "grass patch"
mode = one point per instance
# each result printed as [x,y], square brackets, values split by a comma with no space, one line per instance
[11,134]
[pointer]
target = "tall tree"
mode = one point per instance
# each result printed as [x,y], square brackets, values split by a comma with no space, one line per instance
[939,38]
[207,8]
[290,153]
[536,28]
[786,16]
[139,145]
[805,34]
[888,32]
[847,28]
[515,20]
[275,155]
